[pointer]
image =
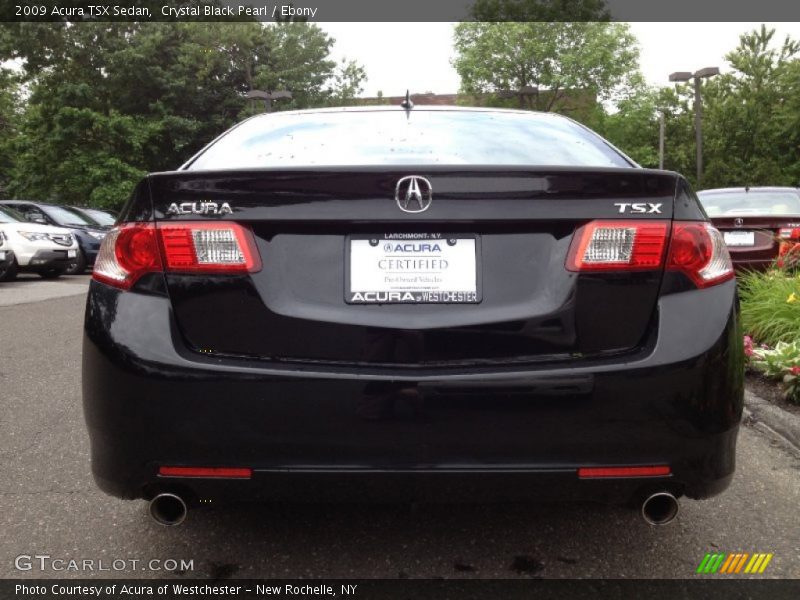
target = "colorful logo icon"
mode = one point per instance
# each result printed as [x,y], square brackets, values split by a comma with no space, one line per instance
[734,563]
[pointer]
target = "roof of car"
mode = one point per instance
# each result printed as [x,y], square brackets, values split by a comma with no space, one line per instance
[19,201]
[417,107]
[774,188]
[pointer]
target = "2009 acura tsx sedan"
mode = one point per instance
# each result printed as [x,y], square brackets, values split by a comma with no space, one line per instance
[412,303]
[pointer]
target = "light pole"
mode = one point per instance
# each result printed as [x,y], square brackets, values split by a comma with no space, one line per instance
[267,97]
[698,108]
[662,115]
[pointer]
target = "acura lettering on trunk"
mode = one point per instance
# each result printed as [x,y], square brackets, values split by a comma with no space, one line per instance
[296,314]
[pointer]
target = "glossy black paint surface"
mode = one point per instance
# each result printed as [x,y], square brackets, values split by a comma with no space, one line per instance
[366,195]
[150,400]
[531,308]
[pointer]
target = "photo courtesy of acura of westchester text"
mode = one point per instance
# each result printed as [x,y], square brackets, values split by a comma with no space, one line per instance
[398,300]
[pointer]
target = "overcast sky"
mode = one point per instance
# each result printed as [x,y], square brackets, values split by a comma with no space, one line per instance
[417,56]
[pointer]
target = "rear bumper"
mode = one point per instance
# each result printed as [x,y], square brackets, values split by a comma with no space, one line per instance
[503,432]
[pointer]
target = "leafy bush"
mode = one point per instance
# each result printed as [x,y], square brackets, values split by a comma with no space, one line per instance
[771,306]
[776,361]
[781,364]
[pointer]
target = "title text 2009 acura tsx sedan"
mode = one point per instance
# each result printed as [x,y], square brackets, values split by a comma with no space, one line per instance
[412,303]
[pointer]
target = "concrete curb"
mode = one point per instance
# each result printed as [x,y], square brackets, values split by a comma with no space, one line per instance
[780,422]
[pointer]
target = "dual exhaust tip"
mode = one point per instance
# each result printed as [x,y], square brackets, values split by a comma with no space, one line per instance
[170,509]
[660,508]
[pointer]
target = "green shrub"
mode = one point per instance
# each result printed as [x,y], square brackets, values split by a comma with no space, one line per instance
[770,306]
[776,361]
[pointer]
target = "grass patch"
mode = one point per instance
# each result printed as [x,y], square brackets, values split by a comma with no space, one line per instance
[770,306]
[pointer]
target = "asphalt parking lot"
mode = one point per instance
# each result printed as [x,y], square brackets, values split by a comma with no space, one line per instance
[49,505]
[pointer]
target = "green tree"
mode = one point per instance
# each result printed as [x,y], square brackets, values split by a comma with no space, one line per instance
[9,121]
[751,115]
[561,60]
[111,101]
[634,127]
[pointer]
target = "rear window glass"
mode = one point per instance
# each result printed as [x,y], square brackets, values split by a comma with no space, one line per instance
[751,203]
[395,137]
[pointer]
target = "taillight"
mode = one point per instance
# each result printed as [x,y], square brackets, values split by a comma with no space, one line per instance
[699,251]
[209,247]
[789,233]
[134,249]
[695,248]
[618,246]
[127,252]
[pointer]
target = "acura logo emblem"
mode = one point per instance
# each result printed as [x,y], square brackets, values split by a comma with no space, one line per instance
[738,221]
[413,194]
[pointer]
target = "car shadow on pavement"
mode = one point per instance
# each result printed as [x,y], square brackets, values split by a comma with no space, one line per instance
[397,541]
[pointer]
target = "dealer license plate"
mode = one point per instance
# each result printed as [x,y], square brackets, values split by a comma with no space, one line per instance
[72,253]
[412,268]
[2,255]
[740,238]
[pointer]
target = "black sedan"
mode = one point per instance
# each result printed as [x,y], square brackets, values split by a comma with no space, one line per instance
[412,303]
[88,233]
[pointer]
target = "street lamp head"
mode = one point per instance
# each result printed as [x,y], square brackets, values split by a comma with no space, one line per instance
[707,72]
[680,76]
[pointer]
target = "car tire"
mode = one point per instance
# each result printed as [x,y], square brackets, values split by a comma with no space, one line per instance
[9,272]
[51,274]
[79,266]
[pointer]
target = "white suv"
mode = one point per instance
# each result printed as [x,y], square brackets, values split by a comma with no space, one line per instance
[41,249]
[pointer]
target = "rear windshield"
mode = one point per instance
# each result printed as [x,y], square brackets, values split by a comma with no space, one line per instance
[753,202]
[419,137]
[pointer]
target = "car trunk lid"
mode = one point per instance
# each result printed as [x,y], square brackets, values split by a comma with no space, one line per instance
[517,222]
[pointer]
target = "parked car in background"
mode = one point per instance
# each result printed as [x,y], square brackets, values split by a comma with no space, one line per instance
[103,218]
[422,303]
[88,234]
[34,247]
[759,224]
[6,256]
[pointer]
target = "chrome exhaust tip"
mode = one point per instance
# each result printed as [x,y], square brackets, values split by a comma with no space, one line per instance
[168,509]
[660,508]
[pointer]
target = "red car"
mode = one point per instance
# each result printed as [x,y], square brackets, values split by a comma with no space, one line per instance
[760,224]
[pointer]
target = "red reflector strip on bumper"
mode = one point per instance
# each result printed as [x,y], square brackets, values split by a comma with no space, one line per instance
[225,472]
[596,472]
